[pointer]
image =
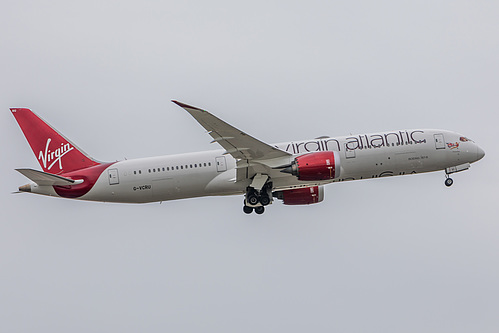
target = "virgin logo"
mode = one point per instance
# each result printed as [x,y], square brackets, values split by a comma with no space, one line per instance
[51,157]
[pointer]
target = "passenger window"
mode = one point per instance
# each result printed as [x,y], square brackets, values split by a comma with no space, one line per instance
[135,172]
[149,170]
[140,172]
[205,164]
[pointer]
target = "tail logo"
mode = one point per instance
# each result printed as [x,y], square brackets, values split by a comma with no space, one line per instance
[53,156]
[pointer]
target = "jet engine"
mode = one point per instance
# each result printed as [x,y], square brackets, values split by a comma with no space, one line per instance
[322,165]
[301,196]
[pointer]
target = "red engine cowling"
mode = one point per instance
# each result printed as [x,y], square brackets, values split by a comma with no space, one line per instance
[301,196]
[322,165]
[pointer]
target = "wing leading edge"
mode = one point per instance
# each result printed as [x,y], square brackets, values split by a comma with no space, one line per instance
[235,142]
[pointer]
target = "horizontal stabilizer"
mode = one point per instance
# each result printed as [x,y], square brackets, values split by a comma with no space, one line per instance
[47,179]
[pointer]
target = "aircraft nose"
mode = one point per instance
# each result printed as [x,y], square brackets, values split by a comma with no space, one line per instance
[479,153]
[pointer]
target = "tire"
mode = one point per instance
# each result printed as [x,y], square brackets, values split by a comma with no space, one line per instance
[260,210]
[264,200]
[252,199]
[247,209]
[449,182]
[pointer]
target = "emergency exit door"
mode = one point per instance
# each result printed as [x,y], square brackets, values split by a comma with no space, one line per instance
[221,164]
[113,176]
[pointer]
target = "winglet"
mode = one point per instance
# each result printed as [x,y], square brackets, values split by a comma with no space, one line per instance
[186,106]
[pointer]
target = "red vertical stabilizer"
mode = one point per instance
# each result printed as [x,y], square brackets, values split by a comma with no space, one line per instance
[55,153]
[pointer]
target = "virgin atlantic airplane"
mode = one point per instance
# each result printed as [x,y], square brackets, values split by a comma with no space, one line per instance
[294,172]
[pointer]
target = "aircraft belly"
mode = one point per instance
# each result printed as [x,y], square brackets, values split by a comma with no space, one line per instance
[225,184]
[173,188]
[124,192]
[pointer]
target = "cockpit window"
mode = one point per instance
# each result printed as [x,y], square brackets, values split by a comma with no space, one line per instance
[465,139]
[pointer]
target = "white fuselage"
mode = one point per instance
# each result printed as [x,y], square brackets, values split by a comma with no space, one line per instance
[212,173]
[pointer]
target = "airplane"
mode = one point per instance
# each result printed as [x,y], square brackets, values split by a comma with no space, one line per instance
[294,172]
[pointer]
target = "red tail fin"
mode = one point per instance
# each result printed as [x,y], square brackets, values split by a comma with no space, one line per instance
[55,153]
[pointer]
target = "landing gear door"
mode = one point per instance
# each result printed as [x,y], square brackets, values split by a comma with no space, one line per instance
[439,141]
[113,176]
[221,164]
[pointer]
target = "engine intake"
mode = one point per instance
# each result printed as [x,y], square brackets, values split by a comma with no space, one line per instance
[323,165]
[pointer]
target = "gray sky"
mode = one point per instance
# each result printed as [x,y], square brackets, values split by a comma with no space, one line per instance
[401,254]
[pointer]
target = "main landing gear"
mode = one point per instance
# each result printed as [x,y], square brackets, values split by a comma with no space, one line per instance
[259,209]
[258,195]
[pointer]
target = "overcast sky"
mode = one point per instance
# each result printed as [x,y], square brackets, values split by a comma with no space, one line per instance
[401,254]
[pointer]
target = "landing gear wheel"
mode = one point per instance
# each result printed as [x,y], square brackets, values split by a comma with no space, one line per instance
[449,182]
[247,209]
[259,210]
[264,200]
[252,199]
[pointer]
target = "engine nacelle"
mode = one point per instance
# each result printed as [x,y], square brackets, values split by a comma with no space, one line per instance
[322,165]
[301,196]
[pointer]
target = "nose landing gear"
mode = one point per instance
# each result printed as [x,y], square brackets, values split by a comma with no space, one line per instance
[454,169]
[448,181]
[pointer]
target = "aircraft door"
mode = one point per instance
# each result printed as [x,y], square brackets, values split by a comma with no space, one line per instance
[221,164]
[113,176]
[439,141]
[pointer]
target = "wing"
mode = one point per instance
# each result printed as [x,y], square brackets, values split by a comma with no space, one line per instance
[45,178]
[235,142]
